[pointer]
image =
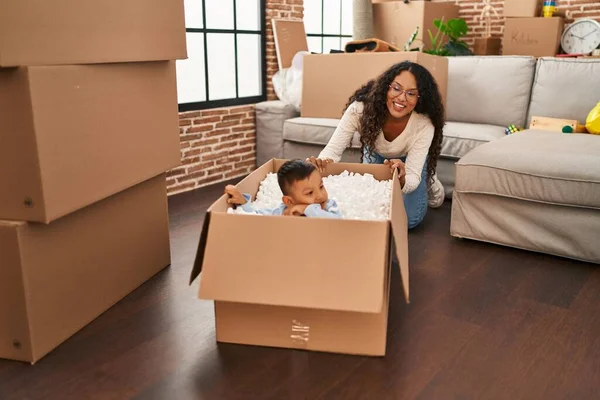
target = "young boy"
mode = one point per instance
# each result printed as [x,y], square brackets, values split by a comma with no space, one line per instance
[303,193]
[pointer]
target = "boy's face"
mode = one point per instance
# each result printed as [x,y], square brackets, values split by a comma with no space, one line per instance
[307,191]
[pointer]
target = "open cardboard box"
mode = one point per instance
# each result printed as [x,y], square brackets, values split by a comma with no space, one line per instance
[302,283]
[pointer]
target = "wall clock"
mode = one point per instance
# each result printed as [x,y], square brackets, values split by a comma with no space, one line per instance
[581,37]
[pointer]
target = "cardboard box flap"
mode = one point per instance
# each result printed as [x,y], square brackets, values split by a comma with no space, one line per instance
[247,185]
[399,224]
[295,262]
[379,171]
[290,38]
[197,268]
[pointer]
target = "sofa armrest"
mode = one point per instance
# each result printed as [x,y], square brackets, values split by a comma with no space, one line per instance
[270,116]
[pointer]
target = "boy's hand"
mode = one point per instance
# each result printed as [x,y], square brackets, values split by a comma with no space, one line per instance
[296,210]
[235,196]
[320,163]
[396,164]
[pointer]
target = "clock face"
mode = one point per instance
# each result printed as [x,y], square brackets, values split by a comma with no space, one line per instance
[581,37]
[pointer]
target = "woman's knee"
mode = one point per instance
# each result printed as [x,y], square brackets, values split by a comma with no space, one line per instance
[416,207]
[414,218]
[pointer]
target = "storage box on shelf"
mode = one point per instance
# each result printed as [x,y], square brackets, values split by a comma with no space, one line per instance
[522,8]
[487,46]
[537,37]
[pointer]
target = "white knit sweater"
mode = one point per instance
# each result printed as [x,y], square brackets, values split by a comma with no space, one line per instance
[414,142]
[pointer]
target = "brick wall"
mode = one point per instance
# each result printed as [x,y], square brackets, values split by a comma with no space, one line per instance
[219,144]
[470,10]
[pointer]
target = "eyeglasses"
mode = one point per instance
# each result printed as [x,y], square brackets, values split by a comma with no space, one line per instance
[411,95]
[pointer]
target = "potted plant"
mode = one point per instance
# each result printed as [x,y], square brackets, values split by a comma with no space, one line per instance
[453,30]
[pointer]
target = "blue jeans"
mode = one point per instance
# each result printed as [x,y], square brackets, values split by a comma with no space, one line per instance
[416,201]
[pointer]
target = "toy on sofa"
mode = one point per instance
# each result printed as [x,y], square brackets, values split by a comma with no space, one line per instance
[557,125]
[512,128]
[592,122]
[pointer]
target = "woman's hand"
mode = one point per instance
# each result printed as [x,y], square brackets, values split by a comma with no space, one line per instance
[397,164]
[320,163]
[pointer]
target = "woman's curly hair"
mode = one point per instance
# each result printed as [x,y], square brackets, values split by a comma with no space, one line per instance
[373,95]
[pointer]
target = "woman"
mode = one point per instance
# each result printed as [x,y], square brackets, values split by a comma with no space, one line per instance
[400,118]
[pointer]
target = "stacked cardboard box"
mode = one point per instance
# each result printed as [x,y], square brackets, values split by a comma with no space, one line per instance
[527,33]
[88,128]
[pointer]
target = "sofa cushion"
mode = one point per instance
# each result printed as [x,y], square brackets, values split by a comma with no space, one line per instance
[276,107]
[565,88]
[270,117]
[462,137]
[489,89]
[313,130]
[541,166]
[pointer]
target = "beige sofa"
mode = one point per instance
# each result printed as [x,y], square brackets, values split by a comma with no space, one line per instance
[538,190]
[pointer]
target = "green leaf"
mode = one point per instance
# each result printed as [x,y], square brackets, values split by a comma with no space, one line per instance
[457,27]
[441,25]
[431,38]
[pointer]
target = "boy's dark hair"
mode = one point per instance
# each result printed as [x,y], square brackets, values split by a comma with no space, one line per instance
[293,171]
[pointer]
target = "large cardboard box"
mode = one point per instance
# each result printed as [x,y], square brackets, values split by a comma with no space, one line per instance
[330,79]
[282,285]
[55,279]
[42,32]
[73,135]
[522,8]
[537,37]
[395,21]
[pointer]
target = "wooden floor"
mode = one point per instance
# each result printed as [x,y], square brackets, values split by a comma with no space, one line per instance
[485,322]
